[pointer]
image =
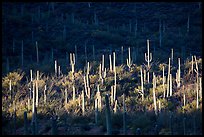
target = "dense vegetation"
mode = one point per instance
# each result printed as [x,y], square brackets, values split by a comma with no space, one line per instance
[68,46]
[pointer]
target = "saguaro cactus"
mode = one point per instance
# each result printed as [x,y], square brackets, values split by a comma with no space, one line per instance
[33,105]
[163,82]
[37,89]
[108,116]
[10,88]
[98,96]
[55,67]
[142,84]
[148,59]
[115,106]
[103,64]
[114,68]
[45,98]
[172,56]
[83,103]
[129,61]
[96,111]
[111,68]
[65,96]
[170,85]
[200,87]
[73,93]
[168,79]
[59,71]
[72,61]
[178,74]
[154,96]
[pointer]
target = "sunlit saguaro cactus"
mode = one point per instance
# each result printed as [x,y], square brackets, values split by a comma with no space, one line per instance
[114,68]
[163,82]
[55,67]
[171,85]
[103,63]
[72,61]
[200,79]
[83,103]
[129,61]
[98,96]
[142,83]
[178,74]
[45,96]
[168,78]
[192,64]
[115,106]
[148,59]
[37,97]
[154,96]
[172,56]
[110,60]
[65,96]
[73,89]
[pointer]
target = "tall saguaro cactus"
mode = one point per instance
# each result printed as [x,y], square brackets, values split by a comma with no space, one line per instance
[178,74]
[154,96]
[83,103]
[142,84]
[65,96]
[108,116]
[72,61]
[37,97]
[163,82]
[55,67]
[168,79]
[129,61]
[148,59]
[111,68]
[170,83]
[33,104]
[45,98]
